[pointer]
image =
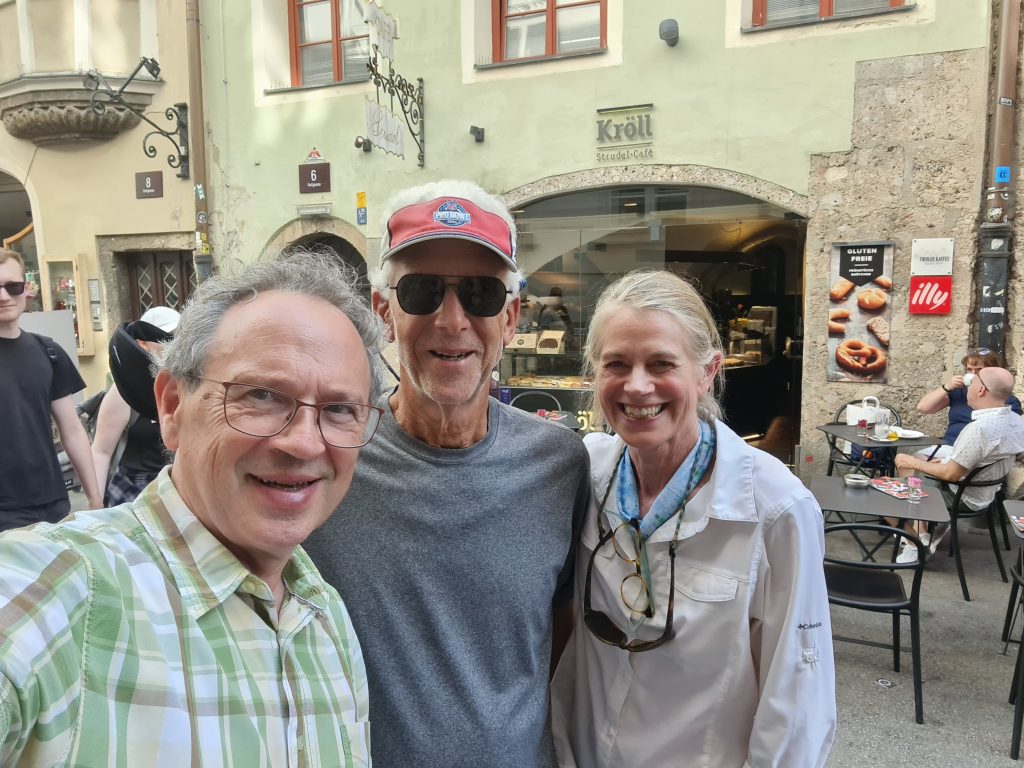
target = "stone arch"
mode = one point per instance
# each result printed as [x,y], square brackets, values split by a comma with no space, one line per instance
[697,175]
[305,228]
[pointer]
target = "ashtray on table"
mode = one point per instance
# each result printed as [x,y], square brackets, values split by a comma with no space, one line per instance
[853,480]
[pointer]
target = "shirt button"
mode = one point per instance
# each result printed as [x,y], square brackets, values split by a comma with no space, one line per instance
[302,743]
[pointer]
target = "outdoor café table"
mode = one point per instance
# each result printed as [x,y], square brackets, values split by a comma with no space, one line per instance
[848,432]
[833,495]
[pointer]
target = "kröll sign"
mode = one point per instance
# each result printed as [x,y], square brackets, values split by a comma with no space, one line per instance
[625,133]
[930,294]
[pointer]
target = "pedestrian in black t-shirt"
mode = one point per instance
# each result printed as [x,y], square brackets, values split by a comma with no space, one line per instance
[37,380]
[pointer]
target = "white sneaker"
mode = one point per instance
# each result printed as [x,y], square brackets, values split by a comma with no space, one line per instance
[925,538]
[940,533]
[908,554]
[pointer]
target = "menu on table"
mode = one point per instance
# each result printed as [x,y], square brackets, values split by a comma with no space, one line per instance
[894,486]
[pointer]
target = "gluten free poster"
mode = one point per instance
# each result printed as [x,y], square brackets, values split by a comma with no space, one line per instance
[860,305]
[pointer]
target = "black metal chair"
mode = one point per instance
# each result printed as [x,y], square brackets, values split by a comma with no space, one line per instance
[958,510]
[879,587]
[1017,686]
[1016,601]
[879,462]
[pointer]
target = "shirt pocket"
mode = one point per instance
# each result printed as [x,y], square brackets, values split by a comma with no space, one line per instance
[705,586]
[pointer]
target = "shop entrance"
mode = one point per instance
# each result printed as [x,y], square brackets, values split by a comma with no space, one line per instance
[744,255]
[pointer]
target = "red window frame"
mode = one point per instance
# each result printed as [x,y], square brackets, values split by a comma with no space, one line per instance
[826,10]
[336,40]
[499,16]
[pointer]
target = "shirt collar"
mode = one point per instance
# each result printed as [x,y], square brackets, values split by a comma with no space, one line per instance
[984,412]
[204,570]
[728,493]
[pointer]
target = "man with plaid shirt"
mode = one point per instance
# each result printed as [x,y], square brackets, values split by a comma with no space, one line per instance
[188,627]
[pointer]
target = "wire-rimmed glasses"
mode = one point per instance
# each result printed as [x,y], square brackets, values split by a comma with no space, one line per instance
[264,412]
[599,623]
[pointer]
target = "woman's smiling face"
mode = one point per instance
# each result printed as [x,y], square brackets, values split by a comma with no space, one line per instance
[647,385]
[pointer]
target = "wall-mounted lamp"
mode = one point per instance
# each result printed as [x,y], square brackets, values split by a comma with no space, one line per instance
[365,144]
[668,31]
[103,94]
[477,134]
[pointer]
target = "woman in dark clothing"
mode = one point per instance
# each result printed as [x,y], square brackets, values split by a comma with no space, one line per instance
[143,454]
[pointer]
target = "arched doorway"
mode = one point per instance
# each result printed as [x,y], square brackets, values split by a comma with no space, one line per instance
[744,254]
[345,252]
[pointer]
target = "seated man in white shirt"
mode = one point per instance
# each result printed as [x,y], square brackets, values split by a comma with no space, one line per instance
[994,437]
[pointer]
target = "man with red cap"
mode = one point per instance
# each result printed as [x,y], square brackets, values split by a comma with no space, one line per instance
[454,548]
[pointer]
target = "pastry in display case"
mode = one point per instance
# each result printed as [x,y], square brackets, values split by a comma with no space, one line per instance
[63,291]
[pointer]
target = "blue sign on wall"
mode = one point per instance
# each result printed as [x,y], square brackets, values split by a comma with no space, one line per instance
[360,215]
[1002,174]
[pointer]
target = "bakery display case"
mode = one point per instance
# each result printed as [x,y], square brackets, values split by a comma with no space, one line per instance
[537,381]
[65,292]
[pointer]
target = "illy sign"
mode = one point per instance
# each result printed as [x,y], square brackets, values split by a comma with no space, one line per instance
[930,294]
[625,133]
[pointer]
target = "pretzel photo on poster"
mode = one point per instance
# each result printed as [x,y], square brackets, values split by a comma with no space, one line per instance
[860,305]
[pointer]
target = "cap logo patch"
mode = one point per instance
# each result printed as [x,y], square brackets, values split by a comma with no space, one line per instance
[451,214]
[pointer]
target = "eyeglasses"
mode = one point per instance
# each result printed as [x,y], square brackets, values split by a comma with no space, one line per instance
[978,377]
[14,289]
[423,294]
[601,625]
[265,412]
[982,351]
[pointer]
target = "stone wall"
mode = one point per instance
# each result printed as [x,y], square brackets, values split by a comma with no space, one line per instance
[914,171]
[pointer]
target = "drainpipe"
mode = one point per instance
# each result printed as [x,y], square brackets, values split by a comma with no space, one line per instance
[203,254]
[996,232]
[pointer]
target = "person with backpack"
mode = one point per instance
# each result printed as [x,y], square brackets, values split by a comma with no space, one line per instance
[127,449]
[37,381]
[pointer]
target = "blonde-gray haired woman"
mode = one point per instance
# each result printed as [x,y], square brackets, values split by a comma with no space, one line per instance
[702,634]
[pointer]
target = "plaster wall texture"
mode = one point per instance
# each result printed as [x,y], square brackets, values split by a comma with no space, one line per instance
[914,170]
[747,105]
[83,192]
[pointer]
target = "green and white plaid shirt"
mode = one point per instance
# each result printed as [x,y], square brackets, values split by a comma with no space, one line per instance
[132,637]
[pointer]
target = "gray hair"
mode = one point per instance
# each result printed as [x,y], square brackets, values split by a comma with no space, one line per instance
[661,291]
[380,276]
[302,271]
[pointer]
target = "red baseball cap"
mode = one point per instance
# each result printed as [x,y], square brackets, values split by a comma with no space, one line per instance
[448,217]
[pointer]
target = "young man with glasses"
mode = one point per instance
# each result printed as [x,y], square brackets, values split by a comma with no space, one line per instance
[954,397]
[37,381]
[994,437]
[454,548]
[188,627]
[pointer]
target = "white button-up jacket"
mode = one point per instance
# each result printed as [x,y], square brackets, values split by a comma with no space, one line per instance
[748,677]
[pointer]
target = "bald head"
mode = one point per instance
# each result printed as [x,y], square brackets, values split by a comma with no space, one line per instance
[998,382]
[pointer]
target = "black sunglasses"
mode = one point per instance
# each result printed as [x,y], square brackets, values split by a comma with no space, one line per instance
[423,294]
[14,289]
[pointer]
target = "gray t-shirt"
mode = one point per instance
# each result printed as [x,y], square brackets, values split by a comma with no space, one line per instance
[449,562]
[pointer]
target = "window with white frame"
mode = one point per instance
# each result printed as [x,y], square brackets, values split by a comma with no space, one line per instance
[329,41]
[535,29]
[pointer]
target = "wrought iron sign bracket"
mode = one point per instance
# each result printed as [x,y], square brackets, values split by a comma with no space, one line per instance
[409,97]
[103,94]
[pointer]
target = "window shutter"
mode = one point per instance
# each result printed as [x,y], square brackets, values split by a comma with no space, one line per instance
[851,6]
[791,10]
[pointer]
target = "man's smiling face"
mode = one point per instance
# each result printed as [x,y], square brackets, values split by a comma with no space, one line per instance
[263,496]
[447,356]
